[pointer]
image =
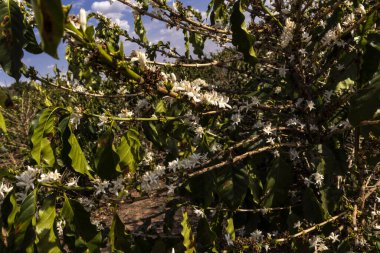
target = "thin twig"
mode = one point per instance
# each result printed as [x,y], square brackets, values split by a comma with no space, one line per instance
[308,230]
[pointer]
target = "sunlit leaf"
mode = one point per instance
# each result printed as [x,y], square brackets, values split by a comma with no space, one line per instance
[43,125]
[47,240]
[187,234]
[3,127]
[11,38]
[50,20]
[240,36]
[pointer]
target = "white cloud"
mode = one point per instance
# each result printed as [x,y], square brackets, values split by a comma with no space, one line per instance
[115,11]
[106,7]
[123,23]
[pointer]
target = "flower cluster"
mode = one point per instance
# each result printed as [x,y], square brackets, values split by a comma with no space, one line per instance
[193,90]
[288,33]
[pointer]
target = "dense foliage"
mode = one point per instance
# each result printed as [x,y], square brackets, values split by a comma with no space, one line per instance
[269,145]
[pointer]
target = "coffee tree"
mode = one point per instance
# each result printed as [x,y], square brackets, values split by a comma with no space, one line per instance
[269,145]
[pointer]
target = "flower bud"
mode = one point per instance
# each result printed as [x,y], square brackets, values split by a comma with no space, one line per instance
[83,19]
[361,9]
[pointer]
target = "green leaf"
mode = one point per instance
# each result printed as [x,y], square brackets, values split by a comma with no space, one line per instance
[370,58]
[187,43]
[219,12]
[129,150]
[24,219]
[278,183]
[78,222]
[312,208]
[365,102]
[205,236]
[332,165]
[42,126]
[31,44]
[240,36]
[231,228]
[197,42]
[9,209]
[72,150]
[11,38]
[3,127]
[188,237]
[106,158]
[160,107]
[118,238]
[47,240]
[140,29]
[50,22]
[47,152]
[232,186]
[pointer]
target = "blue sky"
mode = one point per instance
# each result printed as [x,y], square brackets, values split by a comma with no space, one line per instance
[120,14]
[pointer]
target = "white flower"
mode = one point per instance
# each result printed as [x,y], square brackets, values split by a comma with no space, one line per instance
[287,34]
[315,241]
[76,117]
[293,122]
[4,190]
[297,224]
[125,113]
[277,90]
[199,213]
[80,88]
[199,131]
[340,67]
[327,95]
[21,196]
[26,179]
[229,240]
[100,186]
[255,101]
[293,154]
[83,19]
[150,179]
[307,181]
[282,72]
[361,9]
[117,185]
[276,154]
[310,105]
[236,119]
[270,140]
[215,147]
[313,127]
[103,119]
[148,158]
[141,58]
[171,189]
[60,225]
[50,177]
[122,90]
[214,98]
[318,178]
[306,37]
[257,235]
[333,237]
[73,182]
[268,129]
[332,35]
[87,203]
[174,165]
